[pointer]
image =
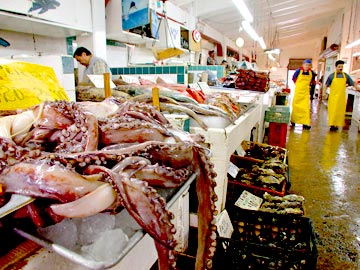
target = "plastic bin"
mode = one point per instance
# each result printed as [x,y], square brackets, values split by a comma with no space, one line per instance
[267,241]
[277,134]
[238,255]
[281,99]
[278,114]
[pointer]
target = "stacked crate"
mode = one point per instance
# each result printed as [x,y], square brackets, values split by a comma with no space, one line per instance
[263,241]
[278,117]
[277,236]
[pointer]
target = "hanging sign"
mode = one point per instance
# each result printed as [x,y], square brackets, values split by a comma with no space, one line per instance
[26,84]
[196,35]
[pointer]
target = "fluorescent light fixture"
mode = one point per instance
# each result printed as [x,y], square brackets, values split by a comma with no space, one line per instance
[274,51]
[356,54]
[244,11]
[262,43]
[271,57]
[353,44]
[250,30]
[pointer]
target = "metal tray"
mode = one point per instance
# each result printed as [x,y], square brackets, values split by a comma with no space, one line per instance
[171,196]
[16,202]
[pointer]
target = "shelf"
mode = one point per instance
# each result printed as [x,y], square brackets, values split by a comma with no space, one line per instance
[30,25]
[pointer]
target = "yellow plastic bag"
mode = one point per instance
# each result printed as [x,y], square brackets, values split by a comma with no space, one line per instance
[23,85]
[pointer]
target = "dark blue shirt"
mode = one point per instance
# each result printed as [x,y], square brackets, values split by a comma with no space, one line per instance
[349,81]
[297,72]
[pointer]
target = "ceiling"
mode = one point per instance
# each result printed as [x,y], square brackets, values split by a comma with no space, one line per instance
[282,23]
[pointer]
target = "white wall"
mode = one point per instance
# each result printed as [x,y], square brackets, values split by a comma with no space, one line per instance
[336,30]
[21,43]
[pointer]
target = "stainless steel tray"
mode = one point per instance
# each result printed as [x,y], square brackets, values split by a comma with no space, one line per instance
[92,264]
[16,202]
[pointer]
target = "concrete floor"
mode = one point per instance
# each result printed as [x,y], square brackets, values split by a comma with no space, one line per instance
[325,169]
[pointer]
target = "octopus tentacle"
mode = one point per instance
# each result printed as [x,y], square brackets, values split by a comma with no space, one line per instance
[207,197]
[42,179]
[142,202]
[162,176]
[128,129]
[146,206]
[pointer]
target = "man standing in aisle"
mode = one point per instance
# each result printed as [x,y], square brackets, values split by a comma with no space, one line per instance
[93,65]
[301,102]
[337,82]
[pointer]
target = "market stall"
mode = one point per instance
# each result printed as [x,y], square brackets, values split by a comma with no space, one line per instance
[355,116]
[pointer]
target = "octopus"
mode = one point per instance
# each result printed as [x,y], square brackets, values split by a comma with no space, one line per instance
[64,154]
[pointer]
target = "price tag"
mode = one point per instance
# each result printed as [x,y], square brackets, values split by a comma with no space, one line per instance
[233,170]
[240,151]
[223,224]
[248,201]
[204,86]
[98,81]
[194,86]
[132,79]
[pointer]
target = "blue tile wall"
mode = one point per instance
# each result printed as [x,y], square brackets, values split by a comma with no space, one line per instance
[220,70]
[179,70]
[114,71]
[180,79]
[173,70]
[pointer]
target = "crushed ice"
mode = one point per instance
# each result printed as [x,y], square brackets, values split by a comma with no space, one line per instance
[100,237]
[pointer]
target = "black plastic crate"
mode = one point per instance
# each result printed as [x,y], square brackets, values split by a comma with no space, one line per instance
[238,255]
[274,230]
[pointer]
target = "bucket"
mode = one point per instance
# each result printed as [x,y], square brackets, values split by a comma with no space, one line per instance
[190,77]
[281,100]
[204,77]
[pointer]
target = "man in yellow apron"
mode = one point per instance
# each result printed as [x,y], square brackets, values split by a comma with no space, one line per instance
[337,82]
[302,78]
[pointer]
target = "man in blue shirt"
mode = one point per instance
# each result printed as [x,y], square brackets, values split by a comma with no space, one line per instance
[337,82]
[302,78]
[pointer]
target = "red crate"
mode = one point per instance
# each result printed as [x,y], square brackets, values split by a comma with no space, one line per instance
[277,134]
[234,190]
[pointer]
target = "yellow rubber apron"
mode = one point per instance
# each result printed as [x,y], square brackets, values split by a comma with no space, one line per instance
[337,101]
[301,102]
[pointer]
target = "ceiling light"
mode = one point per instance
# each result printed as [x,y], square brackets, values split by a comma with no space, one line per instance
[353,44]
[239,42]
[274,51]
[250,30]
[271,57]
[262,43]
[244,11]
[356,54]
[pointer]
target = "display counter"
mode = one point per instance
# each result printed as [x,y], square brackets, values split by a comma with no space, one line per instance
[355,117]
[58,257]
[224,141]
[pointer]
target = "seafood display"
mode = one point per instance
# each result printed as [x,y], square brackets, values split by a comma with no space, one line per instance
[174,98]
[71,157]
[286,205]
[269,174]
[252,80]
[263,151]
